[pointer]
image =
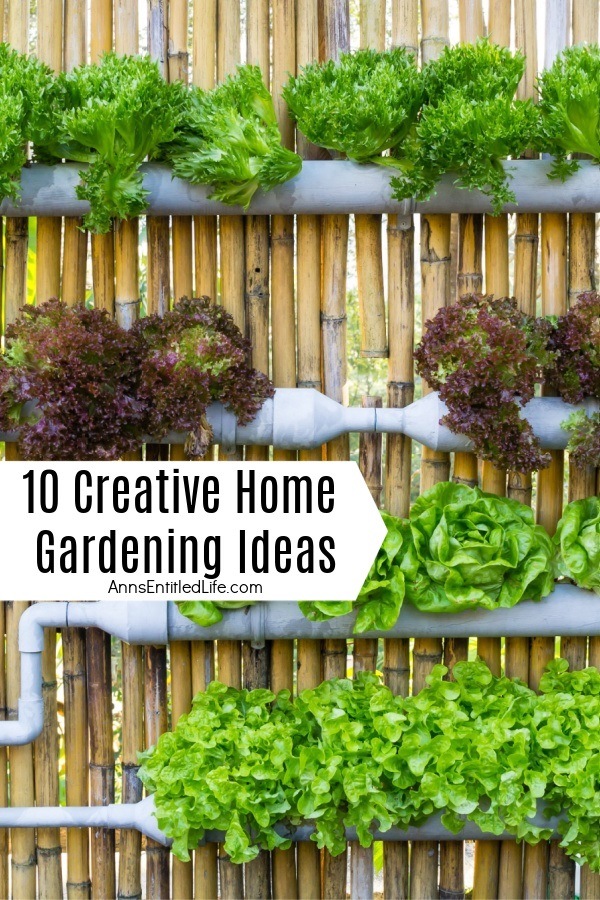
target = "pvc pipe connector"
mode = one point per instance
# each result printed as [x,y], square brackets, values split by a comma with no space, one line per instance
[135,622]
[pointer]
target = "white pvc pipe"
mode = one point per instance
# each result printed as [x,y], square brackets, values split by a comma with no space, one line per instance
[570,611]
[304,418]
[141,817]
[323,186]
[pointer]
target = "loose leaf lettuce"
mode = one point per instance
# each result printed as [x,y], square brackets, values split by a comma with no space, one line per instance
[208,612]
[361,105]
[25,84]
[230,139]
[578,541]
[469,123]
[113,116]
[351,754]
[472,549]
[380,599]
[570,105]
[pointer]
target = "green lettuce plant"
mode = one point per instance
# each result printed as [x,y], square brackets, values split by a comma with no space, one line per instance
[578,542]
[208,612]
[362,105]
[25,84]
[113,116]
[229,138]
[570,106]
[471,549]
[351,754]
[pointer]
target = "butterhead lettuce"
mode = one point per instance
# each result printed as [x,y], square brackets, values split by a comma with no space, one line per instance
[578,541]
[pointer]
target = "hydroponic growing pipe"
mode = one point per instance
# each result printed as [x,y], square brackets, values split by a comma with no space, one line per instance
[296,418]
[141,817]
[569,611]
[332,186]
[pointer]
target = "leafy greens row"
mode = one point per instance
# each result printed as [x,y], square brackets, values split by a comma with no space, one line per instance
[351,754]
[458,114]
[459,549]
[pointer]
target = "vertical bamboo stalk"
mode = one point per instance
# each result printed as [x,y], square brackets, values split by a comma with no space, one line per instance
[102,763]
[203,75]
[75,240]
[309,376]
[50,47]
[155,723]
[400,392]
[487,853]
[76,759]
[49,51]
[365,650]
[435,293]
[232,298]
[369,261]
[22,841]
[550,480]
[130,844]
[3,755]
[103,254]
[334,38]
[309,676]
[205,858]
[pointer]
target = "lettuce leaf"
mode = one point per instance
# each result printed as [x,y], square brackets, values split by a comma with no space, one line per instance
[229,138]
[578,541]
[113,116]
[208,612]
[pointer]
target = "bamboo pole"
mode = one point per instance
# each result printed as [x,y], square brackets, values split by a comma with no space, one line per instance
[400,392]
[50,51]
[493,480]
[334,38]
[309,376]
[435,293]
[46,750]
[130,843]
[510,876]
[232,257]
[203,75]
[22,842]
[155,723]
[3,755]
[366,650]
[103,258]
[76,759]
[75,240]
[205,858]
[369,252]
[102,763]
[549,508]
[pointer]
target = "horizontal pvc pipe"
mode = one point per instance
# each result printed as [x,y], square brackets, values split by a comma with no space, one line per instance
[322,186]
[569,611]
[295,418]
[141,817]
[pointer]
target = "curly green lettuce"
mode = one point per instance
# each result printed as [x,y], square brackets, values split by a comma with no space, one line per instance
[112,116]
[570,108]
[380,598]
[229,138]
[362,104]
[578,542]
[471,549]
[469,123]
[25,85]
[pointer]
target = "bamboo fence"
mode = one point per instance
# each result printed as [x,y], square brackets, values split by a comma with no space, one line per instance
[288,282]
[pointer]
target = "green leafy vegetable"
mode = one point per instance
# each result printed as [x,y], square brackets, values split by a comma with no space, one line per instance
[230,138]
[570,106]
[24,87]
[469,123]
[578,541]
[113,116]
[361,105]
[208,612]
[350,753]
[380,599]
[473,549]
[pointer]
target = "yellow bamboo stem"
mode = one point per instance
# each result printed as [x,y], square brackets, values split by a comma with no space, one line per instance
[230,673]
[76,759]
[205,858]
[309,676]
[155,723]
